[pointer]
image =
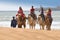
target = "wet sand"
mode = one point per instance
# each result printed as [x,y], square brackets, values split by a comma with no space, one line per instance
[28,34]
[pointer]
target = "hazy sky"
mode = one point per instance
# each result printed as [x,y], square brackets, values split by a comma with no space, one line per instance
[26,4]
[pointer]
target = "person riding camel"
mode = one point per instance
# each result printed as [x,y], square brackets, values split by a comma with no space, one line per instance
[42,14]
[32,13]
[20,12]
[49,12]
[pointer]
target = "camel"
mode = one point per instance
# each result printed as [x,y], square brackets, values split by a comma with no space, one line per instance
[47,22]
[41,23]
[21,21]
[31,22]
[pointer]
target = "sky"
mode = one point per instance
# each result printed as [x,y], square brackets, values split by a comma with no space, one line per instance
[10,5]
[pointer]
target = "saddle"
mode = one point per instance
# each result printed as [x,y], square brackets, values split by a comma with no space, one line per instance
[43,17]
[33,16]
[22,19]
[50,18]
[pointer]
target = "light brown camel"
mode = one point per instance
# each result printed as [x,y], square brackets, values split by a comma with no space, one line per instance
[21,21]
[41,23]
[31,22]
[47,22]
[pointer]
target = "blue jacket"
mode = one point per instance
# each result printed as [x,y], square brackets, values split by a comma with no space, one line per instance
[13,23]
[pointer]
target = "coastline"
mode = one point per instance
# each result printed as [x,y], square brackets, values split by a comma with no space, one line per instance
[54,26]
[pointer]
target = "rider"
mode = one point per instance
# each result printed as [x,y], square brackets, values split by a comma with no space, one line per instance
[49,12]
[42,14]
[20,11]
[32,10]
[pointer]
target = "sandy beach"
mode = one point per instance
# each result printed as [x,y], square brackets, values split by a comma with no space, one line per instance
[28,34]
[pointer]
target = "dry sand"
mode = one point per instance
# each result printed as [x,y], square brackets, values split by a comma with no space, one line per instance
[28,34]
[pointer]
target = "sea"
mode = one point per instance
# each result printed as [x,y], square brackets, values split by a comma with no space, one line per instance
[6,17]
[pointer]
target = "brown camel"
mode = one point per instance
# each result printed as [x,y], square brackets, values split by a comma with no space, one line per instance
[21,21]
[31,22]
[47,22]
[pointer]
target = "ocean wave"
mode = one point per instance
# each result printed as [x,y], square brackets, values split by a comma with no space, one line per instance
[8,23]
[56,22]
[5,18]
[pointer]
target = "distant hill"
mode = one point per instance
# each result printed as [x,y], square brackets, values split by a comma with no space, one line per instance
[53,9]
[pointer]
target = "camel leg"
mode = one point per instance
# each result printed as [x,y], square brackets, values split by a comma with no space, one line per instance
[19,26]
[40,27]
[32,27]
[43,27]
[48,27]
[24,25]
